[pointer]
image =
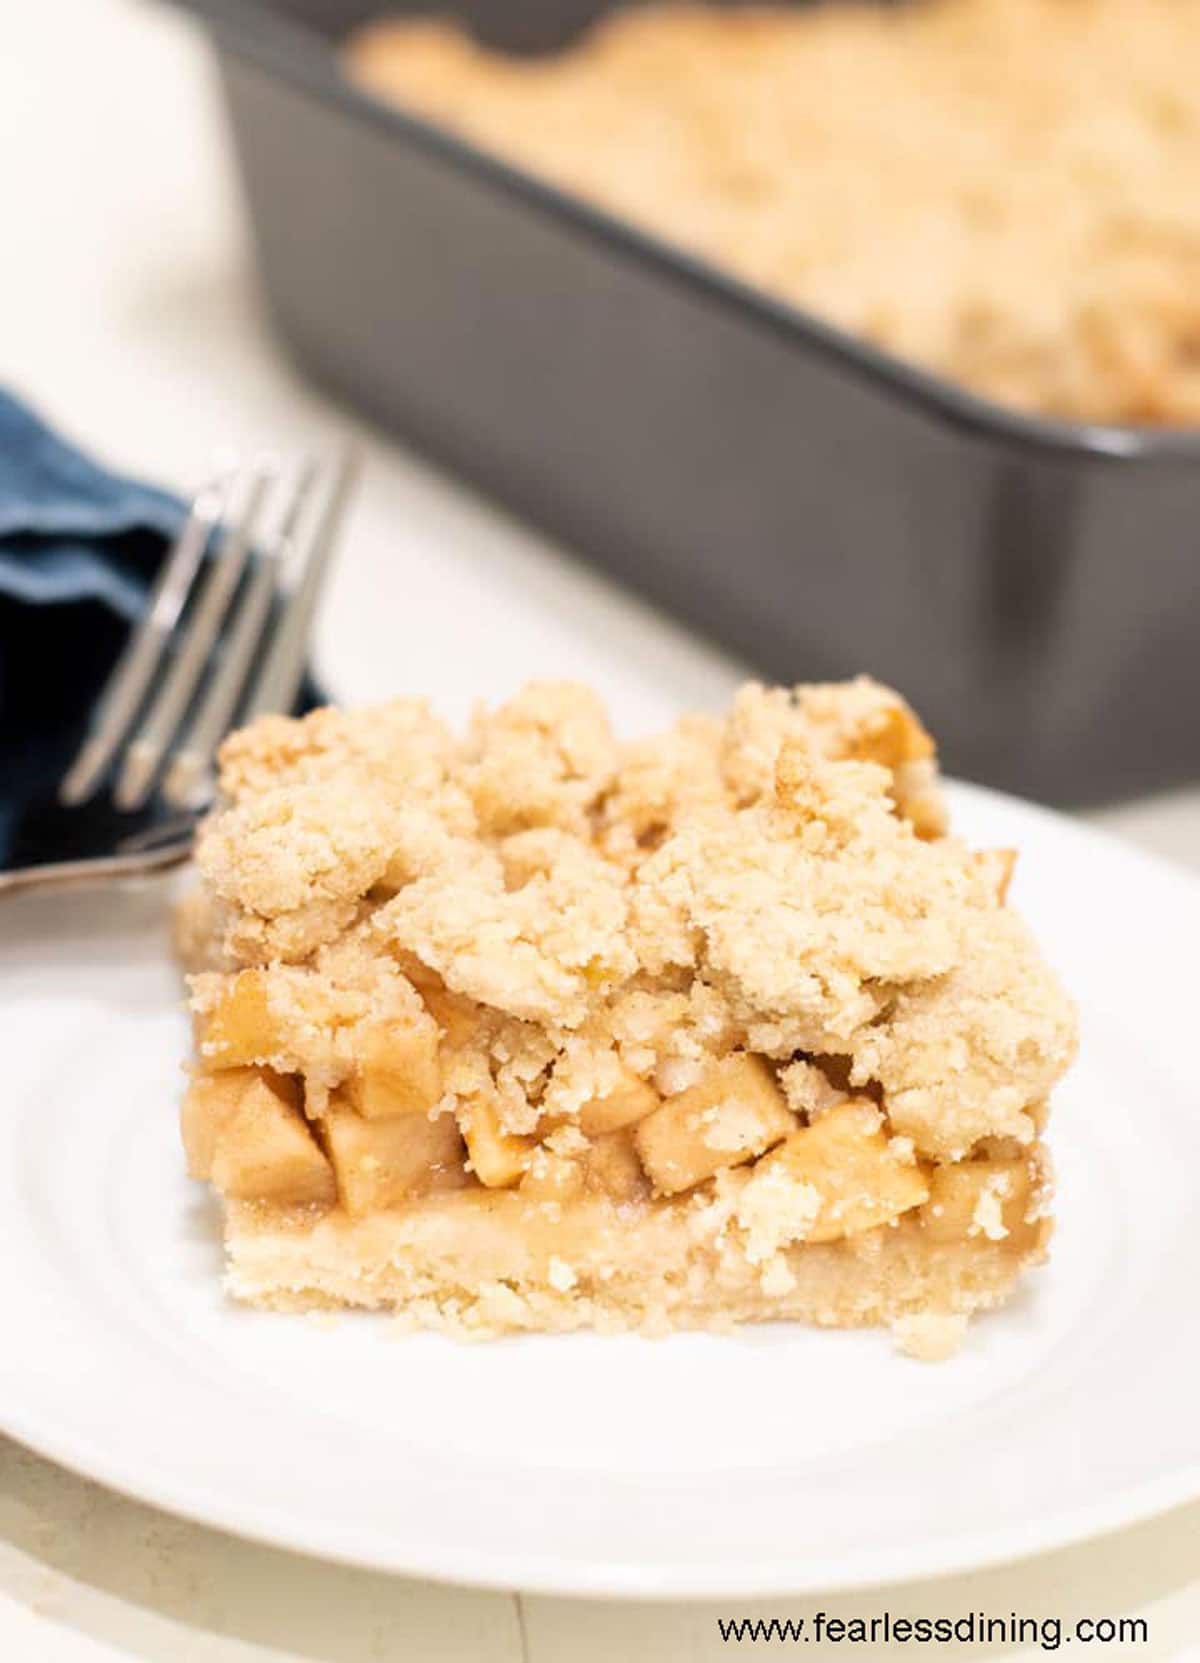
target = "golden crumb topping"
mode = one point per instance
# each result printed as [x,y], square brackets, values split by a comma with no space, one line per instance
[594,924]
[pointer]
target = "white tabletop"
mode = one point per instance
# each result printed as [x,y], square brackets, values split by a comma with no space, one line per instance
[130,317]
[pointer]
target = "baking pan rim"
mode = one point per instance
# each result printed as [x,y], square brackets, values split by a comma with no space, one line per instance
[258,31]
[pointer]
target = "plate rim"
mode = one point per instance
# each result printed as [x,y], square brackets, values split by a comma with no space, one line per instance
[625,1580]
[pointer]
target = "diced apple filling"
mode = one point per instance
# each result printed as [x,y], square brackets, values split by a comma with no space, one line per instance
[380,1163]
[244,1129]
[240,1028]
[552,1177]
[632,1100]
[613,1167]
[207,1105]
[459,1018]
[246,1026]
[845,1160]
[989,1199]
[498,1158]
[399,1073]
[732,1114]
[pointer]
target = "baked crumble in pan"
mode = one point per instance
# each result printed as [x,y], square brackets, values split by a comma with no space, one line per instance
[1002,191]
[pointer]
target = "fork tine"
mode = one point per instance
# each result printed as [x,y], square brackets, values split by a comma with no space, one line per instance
[212,720]
[143,653]
[278,681]
[148,747]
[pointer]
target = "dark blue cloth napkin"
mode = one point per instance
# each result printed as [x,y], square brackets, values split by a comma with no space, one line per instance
[79,550]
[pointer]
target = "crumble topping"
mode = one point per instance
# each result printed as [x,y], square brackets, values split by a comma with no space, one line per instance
[809,1089]
[970,1054]
[1000,190]
[988,1217]
[774,1209]
[605,909]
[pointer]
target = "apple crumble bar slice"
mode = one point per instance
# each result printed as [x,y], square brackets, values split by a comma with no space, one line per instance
[536,1029]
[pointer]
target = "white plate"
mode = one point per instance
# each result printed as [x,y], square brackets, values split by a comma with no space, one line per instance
[780,1461]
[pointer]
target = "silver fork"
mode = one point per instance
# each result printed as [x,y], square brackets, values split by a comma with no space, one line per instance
[221,641]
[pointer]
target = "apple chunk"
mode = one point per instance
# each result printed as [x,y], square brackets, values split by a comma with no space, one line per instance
[380,1163]
[552,1177]
[207,1105]
[399,1072]
[244,1129]
[629,1101]
[613,1167]
[989,1199]
[498,1158]
[729,1116]
[459,1018]
[845,1161]
[240,1028]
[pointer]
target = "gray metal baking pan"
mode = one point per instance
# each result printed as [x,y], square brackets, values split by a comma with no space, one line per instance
[815,506]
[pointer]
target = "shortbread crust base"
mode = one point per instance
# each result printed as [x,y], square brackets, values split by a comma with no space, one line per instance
[476,1264]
